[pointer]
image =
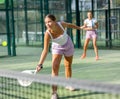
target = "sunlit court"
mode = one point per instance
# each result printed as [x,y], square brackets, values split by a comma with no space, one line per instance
[106,70]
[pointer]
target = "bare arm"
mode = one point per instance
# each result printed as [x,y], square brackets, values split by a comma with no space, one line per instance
[96,26]
[70,25]
[84,26]
[45,50]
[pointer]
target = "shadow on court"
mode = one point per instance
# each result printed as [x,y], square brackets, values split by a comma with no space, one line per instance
[83,95]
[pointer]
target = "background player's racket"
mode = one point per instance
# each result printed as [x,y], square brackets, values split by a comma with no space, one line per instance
[25,82]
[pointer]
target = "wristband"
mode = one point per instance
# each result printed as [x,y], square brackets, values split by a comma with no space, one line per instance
[40,65]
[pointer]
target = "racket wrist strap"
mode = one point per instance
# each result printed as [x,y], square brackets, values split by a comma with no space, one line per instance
[40,65]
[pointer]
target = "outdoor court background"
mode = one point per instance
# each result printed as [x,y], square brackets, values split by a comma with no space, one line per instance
[105,69]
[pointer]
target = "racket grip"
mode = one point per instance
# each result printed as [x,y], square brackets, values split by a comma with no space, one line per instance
[40,65]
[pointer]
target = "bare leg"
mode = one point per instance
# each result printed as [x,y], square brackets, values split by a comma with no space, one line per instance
[95,48]
[85,48]
[56,59]
[68,68]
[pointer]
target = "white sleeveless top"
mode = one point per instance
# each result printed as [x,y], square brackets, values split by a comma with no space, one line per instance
[62,39]
[90,23]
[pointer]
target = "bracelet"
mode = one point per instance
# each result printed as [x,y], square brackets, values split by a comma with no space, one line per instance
[40,65]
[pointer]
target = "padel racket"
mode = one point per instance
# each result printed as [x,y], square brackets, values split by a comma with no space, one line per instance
[25,82]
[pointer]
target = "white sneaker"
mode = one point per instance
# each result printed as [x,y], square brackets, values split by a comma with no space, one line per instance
[70,88]
[54,96]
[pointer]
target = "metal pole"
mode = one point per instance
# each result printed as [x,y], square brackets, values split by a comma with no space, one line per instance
[106,30]
[13,32]
[92,4]
[46,6]
[109,21]
[26,22]
[69,16]
[42,22]
[78,36]
[7,26]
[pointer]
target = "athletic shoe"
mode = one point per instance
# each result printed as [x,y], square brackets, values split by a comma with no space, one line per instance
[54,96]
[97,58]
[83,56]
[70,88]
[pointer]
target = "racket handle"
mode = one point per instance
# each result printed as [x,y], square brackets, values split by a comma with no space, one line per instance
[40,65]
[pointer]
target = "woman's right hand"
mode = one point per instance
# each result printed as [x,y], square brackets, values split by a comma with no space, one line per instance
[39,67]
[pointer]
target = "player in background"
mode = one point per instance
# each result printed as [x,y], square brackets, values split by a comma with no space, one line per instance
[90,25]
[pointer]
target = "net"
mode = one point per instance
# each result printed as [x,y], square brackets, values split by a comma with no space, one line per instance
[41,87]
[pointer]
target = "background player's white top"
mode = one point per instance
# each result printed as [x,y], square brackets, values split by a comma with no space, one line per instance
[90,23]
